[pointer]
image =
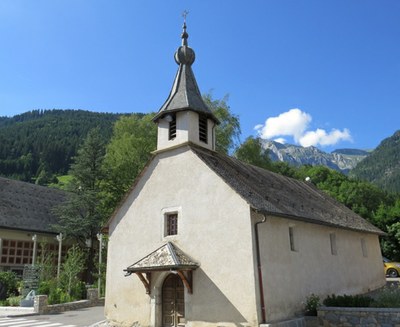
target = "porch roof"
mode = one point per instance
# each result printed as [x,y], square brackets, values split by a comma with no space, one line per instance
[166,257]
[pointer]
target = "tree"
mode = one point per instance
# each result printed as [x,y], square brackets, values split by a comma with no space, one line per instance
[387,218]
[228,132]
[80,216]
[251,151]
[134,138]
[74,264]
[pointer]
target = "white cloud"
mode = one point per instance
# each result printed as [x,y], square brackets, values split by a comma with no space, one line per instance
[321,137]
[280,140]
[291,123]
[295,123]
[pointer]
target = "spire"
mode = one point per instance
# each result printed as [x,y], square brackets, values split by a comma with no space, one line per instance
[185,94]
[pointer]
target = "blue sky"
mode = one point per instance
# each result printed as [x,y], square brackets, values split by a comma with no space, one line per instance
[324,73]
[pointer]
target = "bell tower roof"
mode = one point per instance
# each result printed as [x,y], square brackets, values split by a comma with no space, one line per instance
[185,94]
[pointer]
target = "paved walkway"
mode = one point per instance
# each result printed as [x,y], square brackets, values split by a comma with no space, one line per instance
[25,317]
[29,322]
[15,311]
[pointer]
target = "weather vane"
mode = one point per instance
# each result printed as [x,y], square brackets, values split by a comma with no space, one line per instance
[184,14]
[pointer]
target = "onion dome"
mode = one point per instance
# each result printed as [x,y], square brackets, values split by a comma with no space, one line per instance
[185,93]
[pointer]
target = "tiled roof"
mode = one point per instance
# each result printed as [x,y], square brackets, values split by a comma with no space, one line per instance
[166,257]
[274,194]
[26,206]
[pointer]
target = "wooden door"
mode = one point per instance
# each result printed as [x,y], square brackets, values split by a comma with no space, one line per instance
[173,302]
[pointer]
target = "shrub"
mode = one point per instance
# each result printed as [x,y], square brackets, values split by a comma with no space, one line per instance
[312,304]
[14,301]
[44,287]
[4,303]
[68,287]
[356,301]
[74,264]
[388,297]
[8,284]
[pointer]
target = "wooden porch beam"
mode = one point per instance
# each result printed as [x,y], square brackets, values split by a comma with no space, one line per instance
[145,280]
[187,281]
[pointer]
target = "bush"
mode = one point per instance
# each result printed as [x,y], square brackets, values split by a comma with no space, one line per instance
[312,304]
[8,284]
[58,294]
[388,297]
[14,301]
[45,287]
[356,301]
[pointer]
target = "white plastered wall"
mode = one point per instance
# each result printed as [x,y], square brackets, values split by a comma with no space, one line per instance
[214,228]
[290,276]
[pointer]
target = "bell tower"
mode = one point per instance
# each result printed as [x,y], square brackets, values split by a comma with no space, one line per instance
[184,117]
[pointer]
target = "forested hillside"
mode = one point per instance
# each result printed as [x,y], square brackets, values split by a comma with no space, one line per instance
[37,145]
[41,143]
[382,166]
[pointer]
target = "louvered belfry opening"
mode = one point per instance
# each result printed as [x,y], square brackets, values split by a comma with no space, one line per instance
[203,131]
[172,128]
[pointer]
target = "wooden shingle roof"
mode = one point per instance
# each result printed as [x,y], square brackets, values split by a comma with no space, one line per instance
[25,206]
[277,195]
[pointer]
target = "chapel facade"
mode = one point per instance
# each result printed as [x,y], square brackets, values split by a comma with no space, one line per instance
[203,239]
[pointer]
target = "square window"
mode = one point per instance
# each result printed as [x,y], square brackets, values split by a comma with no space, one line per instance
[171,224]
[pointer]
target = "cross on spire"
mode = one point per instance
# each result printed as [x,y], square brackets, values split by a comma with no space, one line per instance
[184,15]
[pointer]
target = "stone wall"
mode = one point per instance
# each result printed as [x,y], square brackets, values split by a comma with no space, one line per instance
[41,305]
[346,317]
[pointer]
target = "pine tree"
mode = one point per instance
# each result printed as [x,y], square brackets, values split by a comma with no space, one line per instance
[81,215]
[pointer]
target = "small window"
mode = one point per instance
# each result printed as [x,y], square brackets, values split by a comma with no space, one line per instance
[203,130]
[171,226]
[332,237]
[292,239]
[364,248]
[172,128]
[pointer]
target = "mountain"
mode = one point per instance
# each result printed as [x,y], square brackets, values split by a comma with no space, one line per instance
[382,166]
[342,160]
[45,141]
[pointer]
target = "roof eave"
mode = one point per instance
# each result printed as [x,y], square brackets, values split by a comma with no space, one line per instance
[162,268]
[317,222]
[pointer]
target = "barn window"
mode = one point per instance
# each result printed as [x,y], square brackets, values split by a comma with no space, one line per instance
[171,224]
[332,237]
[203,130]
